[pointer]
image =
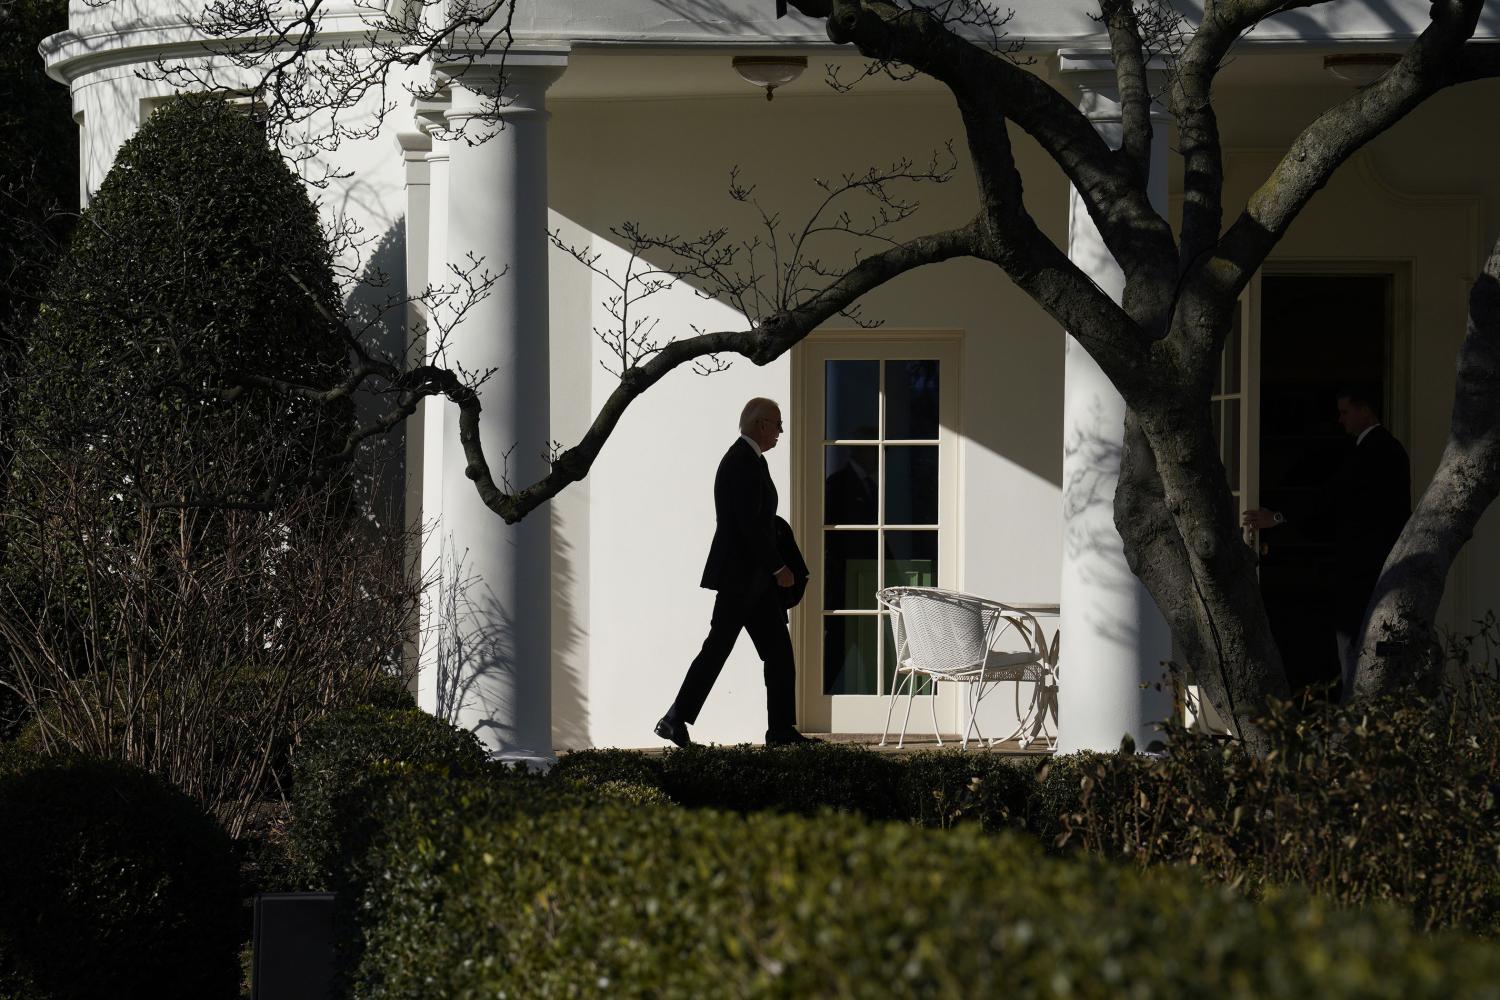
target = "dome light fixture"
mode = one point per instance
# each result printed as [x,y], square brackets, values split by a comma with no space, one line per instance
[1362,69]
[769,72]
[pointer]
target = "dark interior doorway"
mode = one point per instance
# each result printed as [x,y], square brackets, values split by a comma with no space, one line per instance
[1318,332]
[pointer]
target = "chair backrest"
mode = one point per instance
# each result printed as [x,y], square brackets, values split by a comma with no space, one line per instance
[943,632]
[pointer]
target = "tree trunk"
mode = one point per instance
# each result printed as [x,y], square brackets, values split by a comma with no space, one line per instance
[1400,644]
[1174,512]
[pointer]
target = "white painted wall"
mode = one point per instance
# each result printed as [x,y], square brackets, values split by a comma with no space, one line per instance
[663,162]
[666,164]
[627,614]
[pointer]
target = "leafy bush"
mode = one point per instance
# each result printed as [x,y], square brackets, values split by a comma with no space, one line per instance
[115,884]
[1393,802]
[140,619]
[199,262]
[932,788]
[487,889]
[1396,804]
[345,752]
[947,787]
[798,779]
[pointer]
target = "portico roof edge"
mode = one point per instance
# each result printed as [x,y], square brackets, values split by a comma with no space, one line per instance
[71,54]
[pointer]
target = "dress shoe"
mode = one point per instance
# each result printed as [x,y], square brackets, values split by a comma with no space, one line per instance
[787,737]
[671,729]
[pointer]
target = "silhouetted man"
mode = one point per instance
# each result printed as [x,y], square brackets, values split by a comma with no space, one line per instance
[1368,502]
[746,567]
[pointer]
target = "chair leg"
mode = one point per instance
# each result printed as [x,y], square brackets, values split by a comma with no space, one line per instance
[895,692]
[911,695]
[1021,736]
[932,703]
[976,691]
[979,692]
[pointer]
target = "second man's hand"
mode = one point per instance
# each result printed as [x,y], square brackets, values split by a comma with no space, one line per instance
[784,577]
[1261,519]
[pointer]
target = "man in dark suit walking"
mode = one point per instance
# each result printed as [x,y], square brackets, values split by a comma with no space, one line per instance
[1368,502]
[747,569]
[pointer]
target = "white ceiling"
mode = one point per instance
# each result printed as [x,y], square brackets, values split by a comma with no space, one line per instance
[630,73]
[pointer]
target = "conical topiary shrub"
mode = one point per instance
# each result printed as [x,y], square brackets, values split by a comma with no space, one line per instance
[200,260]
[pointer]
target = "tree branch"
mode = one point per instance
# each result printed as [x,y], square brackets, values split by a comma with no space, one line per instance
[1129,57]
[921,38]
[1429,65]
[763,344]
[1191,101]
[1011,239]
[1399,643]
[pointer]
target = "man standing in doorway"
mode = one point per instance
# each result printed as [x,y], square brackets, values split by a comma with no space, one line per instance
[747,569]
[1368,502]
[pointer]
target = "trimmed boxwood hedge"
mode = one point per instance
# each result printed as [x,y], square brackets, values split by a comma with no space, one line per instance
[113,884]
[342,753]
[938,788]
[513,887]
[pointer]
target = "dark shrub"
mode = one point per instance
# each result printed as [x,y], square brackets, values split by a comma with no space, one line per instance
[116,885]
[796,779]
[389,691]
[199,258]
[345,751]
[598,766]
[469,893]
[942,788]
[938,788]
[1395,801]
[199,273]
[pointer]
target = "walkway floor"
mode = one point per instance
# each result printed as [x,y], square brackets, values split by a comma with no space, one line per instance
[871,741]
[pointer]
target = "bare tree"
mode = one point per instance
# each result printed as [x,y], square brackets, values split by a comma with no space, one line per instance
[1159,346]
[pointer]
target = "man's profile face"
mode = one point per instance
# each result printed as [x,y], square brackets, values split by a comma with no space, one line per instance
[1355,417]
[767,429]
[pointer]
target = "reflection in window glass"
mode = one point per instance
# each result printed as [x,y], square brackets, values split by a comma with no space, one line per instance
[851,484]
[911,400]
[911,559]
[852,407]
[849,665]
[849,570]
[911,484]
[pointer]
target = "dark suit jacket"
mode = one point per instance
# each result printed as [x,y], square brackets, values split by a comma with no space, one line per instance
[744,556]
[1364,507]
[1375,486]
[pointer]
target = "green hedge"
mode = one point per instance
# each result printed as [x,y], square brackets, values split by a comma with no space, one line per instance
[932,788]
[112,883]
[345,751]
[506,888]
[1394,802]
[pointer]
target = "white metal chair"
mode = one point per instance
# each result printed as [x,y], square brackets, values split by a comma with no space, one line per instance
[947,636]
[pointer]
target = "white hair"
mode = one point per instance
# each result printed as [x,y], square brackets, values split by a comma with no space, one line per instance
[756,409]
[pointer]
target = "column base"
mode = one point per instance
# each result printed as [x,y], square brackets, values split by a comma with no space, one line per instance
[534,763]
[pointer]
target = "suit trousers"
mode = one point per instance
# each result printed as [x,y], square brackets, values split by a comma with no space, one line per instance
[762,615]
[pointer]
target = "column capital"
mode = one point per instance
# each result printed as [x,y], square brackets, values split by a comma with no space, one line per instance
[430,115]
[1092,72]
[415,144]
[509,85]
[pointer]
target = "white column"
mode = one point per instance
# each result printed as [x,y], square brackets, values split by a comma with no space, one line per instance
[1114,640]
[499,637]
[415,146]
[432,695]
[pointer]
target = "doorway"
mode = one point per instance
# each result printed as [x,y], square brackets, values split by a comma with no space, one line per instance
[876,454]
[1319,332]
